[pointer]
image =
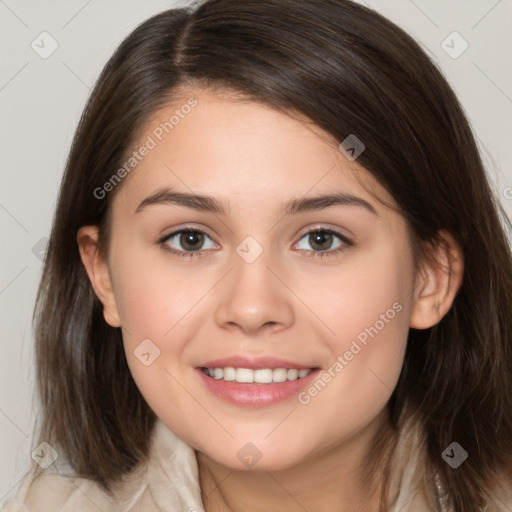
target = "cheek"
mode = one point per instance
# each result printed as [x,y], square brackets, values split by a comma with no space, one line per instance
[365,307]
[155,295]
[157,304]
[366,291]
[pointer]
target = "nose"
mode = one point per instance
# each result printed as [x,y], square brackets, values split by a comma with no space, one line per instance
[253,298]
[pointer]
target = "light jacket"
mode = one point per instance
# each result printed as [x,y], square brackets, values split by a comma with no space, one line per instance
[169,482]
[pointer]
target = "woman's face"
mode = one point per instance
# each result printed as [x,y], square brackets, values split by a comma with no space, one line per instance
[266,276]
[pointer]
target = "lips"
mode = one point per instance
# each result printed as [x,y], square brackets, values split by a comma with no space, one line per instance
[255,363]
[255,391]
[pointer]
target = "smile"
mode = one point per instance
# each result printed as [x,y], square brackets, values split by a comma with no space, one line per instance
[260,376]
[255,388]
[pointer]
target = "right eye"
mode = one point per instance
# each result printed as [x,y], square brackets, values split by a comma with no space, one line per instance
[190,240]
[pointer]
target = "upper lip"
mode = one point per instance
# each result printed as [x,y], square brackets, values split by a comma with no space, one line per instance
[254,363]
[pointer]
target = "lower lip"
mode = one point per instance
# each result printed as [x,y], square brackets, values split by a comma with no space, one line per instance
[256,395]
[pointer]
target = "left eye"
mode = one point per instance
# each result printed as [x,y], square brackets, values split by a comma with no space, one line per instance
[323,239]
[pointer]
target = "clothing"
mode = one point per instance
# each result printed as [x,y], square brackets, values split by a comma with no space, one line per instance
[169,482]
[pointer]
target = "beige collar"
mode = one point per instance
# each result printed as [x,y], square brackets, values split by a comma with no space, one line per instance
[172,476]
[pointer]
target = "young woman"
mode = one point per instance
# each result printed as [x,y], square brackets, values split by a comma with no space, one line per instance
[277,278]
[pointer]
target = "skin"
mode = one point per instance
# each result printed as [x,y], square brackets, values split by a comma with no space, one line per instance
[287,303]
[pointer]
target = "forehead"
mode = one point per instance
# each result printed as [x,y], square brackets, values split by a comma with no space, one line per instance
[239,150]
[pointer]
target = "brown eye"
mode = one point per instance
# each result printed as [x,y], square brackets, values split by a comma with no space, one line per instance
[320,240]
[324,242]
[186,241]
[191,240]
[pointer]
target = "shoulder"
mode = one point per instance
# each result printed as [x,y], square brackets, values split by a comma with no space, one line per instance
[50,492]
[168,478]
[417,487]
[47,492]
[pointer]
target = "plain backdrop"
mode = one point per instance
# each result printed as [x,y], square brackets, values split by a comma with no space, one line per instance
[41,100]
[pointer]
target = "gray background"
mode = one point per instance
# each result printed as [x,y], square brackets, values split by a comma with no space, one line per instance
[41,101]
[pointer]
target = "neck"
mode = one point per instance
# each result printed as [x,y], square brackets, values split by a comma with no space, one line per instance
[337,478]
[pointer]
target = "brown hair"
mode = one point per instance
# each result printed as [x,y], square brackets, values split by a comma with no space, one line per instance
[350,71]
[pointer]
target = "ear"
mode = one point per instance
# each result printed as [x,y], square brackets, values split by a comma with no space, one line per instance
[98,272]
[437,283]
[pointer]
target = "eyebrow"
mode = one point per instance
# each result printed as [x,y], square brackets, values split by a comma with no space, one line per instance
[210,204]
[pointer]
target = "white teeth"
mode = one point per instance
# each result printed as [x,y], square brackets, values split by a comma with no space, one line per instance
[262,376]
[292,374]
[229,373]
[279,375]
[244,375]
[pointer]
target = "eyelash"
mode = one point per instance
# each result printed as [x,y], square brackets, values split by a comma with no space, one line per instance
[318,254]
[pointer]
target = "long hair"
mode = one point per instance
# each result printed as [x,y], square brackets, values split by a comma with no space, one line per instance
[350,71]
